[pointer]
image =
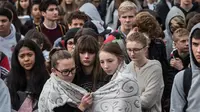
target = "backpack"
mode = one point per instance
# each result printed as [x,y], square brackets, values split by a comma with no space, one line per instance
[187,80]
[62,28]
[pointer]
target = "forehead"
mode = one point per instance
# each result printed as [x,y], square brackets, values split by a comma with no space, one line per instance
[52,6]
[35,6]
[25,50]
[133,44]
[183,38]
[65,63]
[3,17]
[129,13]
[196,40]
[76,20]
[103,55]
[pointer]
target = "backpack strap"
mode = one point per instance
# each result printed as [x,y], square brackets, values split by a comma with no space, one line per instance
[63,29]
[187,80]
[38,28]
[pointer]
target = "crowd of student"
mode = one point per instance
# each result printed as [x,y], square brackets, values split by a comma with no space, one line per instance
[99,55]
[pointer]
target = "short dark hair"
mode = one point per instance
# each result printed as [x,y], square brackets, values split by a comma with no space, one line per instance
[196,34]
[45,4]
[77,15]
[40,38]
[6,12]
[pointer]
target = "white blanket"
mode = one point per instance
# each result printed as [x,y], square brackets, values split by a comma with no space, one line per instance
[119,95]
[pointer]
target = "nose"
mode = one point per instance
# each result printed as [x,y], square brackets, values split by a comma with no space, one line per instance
[55,11]
[127,19]
[1,23]
[187,43]
[198,49]
[86,55]
[26,58]
[105,65]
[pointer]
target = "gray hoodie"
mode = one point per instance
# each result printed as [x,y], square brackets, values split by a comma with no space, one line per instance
[174,11]
[90,10]
[5,105]
[178,96]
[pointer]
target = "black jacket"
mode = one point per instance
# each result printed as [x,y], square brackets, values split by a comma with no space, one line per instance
[66,108]
[162,10]
[195,8]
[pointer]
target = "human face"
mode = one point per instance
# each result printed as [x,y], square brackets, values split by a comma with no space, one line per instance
[76,23]
[87,59]
[68,1]
[26,58]
[70,45]
[109,62]
[36,12]
[182,45]
[4,26]
[186,2]
[135,50]
[127,20]
[196,49]
[51,13]
[24,4]
[96,2]
[65,69]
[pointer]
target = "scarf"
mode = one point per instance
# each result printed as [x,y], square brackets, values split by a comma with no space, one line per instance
[120,94]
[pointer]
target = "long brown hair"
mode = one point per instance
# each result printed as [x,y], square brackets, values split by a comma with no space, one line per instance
[89,44]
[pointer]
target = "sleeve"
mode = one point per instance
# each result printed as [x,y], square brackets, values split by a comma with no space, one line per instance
[177,95]
[4,66]
[5,105]
[153,88]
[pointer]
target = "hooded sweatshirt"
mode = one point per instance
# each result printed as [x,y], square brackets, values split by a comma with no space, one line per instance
[5,105]
[175,11]
[151,85]
[8,43]
[90,10]
[178,100]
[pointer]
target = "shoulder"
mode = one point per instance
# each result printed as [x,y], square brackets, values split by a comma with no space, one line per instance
[179,78]
[154,63]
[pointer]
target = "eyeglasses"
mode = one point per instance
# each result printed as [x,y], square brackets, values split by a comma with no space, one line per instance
[70,43]
[66,72]
[135,50]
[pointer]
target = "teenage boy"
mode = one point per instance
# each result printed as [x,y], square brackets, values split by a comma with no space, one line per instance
[182,100]
[49,10]
[179,59]
[76,19]
[8,35]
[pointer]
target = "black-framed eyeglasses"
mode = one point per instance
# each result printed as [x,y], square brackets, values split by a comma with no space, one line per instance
[135,50]
[66,72]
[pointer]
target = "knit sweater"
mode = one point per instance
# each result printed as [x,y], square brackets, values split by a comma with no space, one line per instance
[151,85]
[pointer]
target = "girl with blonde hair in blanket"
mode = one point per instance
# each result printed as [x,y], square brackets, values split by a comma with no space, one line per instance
[122,91]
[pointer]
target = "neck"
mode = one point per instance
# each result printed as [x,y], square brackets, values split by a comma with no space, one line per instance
[50,24]
[124,31]
[141,63]
[6,33]
[88,70]
[27,74]
[186,6]
[37,21]
[183,54]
